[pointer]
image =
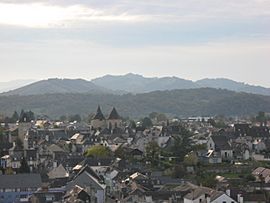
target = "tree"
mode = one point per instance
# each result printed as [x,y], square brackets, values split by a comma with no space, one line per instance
[146,122]
[121,153]
[250,178]
[161,117]
[9,171]
[178,171]
[261,117]
[24,166]
[132,124]
[191,159]
[75,117]
[153,115]
[98,151]
[1,138]
[26,116]
[152,152]
[63,118]
[31,115]
[182,144]
[15,117]
[21,115]
[208,180]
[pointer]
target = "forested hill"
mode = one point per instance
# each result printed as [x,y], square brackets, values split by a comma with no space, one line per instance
[129,83]
[193,102]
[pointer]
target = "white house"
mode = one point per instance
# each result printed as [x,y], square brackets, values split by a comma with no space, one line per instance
[208,195]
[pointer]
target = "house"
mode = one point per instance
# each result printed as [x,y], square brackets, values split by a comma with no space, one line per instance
[32,158]
[204,194]
[77,142]
[58,173]
[90,182]
[15,157]
[262,174]
[220,143]
[78,194]
[258,145]
[241,129]
[56,152]
[18,187]
[136,154]
[241,151]
[47,195]
[213,157]
[254,198]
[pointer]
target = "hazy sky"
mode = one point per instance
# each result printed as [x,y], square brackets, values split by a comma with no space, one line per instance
[191,39]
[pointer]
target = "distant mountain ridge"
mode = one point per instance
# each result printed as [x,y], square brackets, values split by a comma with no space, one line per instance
[131,83]
[222,83]
[135,83]
[61,86]
[139,84]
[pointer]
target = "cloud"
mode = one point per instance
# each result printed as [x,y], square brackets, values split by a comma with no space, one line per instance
[73,12]
[45,15]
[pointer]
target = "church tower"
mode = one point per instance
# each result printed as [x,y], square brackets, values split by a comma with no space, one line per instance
[98,120]
[23,126]
[114,120]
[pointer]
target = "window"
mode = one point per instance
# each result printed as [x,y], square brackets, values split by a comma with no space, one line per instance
[49,198]
[224,202]
[23,196]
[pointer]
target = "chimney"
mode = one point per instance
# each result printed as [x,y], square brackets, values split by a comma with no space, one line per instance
[228,192]
[208,200]
[54,164]
[240,198]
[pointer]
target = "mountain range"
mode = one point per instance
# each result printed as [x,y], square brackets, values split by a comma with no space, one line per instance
[130,83]
[135,96]
[140,84]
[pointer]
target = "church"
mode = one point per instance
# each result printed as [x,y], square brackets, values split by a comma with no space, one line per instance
[111,122]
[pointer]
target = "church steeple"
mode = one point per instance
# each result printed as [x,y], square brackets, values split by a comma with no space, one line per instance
[99,115]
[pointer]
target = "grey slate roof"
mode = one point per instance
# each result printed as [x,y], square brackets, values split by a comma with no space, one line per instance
[85,180]
[114,115]
[221,142]
[20,181]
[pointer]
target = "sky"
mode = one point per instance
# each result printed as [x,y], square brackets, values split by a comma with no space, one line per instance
[191,39]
